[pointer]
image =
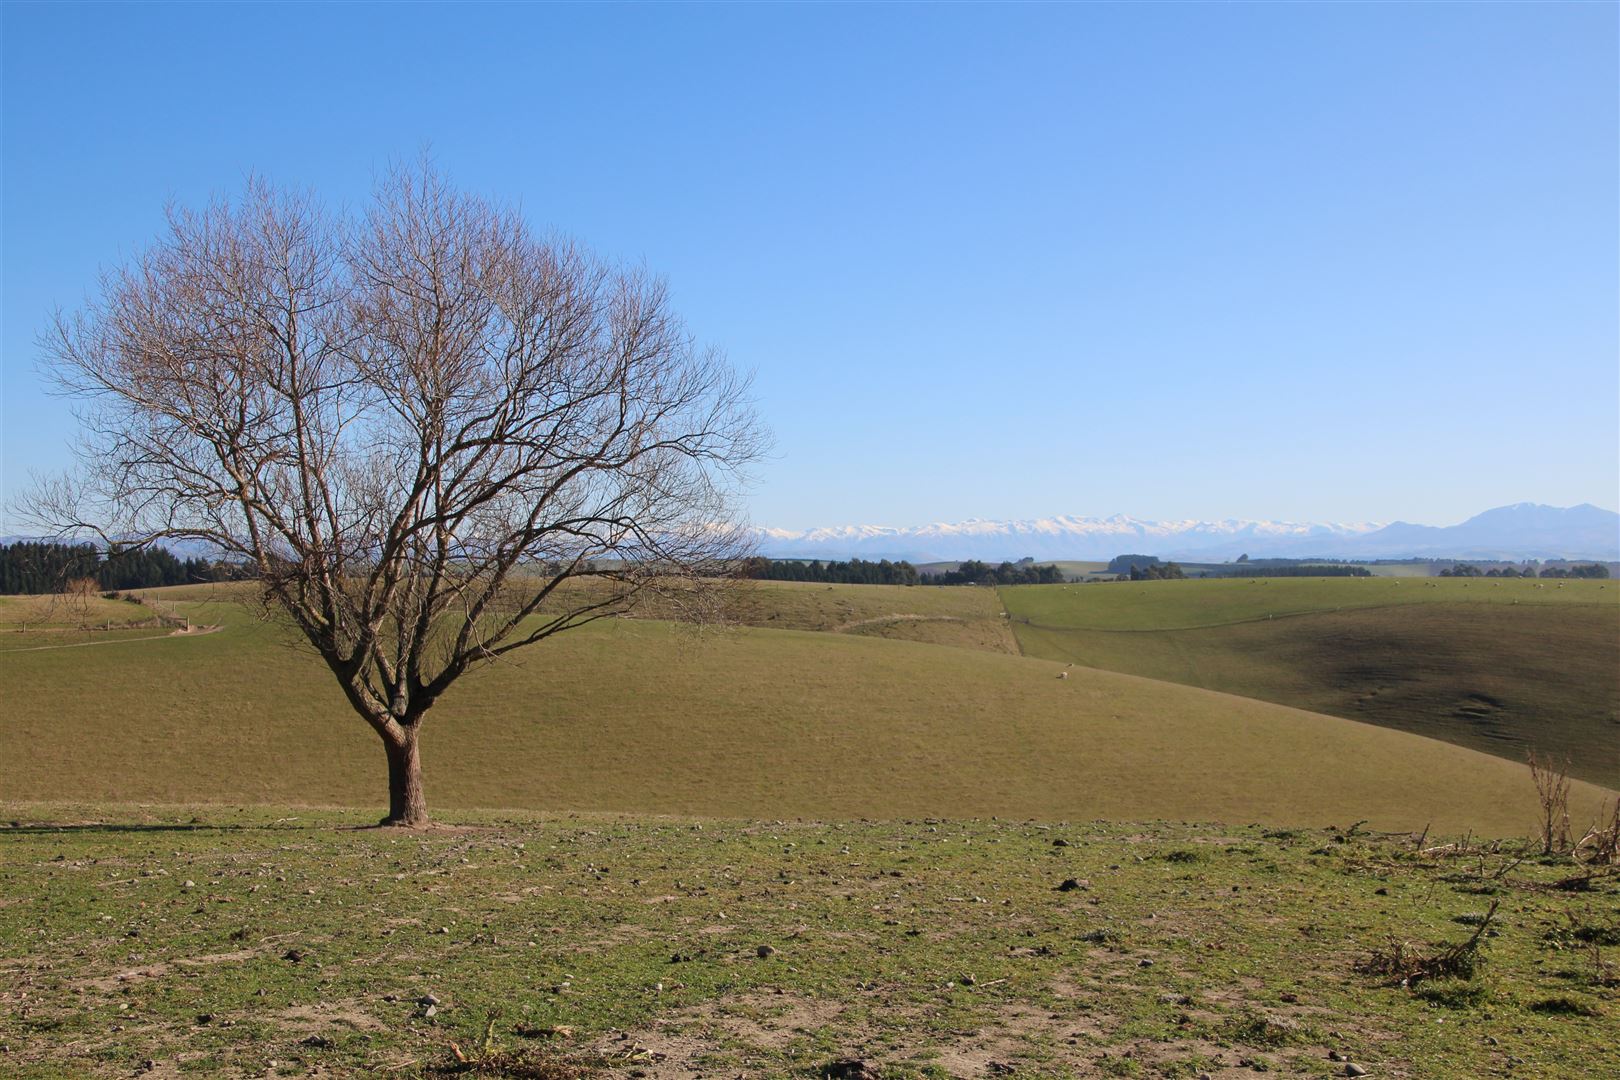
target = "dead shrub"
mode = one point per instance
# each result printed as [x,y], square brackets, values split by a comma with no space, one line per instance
[1601,844]
[1403,963]
[1552,791]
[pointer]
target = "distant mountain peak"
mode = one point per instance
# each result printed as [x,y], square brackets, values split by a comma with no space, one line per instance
[1518,531]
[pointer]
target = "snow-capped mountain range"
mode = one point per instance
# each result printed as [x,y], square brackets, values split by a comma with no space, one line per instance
[1521,531]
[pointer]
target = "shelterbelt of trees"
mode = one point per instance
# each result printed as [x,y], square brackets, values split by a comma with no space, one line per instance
[1249,570]
[1581,570]
[32,567]
[885,572]
[973,572]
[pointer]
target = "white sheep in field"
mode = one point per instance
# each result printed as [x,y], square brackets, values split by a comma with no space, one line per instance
[1063,674]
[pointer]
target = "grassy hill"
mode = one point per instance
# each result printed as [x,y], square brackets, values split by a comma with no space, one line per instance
[26,620]
[969,617]
[1498,666]
[637,716]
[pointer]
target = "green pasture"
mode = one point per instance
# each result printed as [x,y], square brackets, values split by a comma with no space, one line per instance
[1501,667]
[1180,605]
[216,941]
[764,850]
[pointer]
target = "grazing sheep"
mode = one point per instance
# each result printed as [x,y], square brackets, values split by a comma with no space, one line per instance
[1063,674]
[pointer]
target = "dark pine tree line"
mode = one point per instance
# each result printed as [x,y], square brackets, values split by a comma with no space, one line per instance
[1579,570]
[885,572]
[832,572]
[33,566]
[1158,572]
[974,572]
[1254,570]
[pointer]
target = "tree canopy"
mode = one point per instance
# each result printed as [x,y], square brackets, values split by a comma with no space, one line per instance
[436,436]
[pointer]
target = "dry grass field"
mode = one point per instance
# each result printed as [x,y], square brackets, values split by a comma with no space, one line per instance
[642,717]
[22,618]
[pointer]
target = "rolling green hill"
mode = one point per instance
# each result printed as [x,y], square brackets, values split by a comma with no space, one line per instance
[1499,666]
[62,612]
[639,716]
[969,617]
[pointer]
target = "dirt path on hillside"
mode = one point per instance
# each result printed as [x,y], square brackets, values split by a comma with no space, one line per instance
[876,619]
[194,631]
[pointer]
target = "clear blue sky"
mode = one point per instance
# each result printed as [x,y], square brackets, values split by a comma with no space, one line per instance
[1310,261]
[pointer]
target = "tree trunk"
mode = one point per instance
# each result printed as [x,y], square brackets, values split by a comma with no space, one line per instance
[406,804]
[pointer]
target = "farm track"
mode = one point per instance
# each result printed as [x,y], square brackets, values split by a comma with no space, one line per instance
[198,631]
[879,620]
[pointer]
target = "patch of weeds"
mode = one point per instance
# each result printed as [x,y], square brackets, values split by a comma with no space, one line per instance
[488,1060]
[1103,935]
[513,1065]
[1579,882]
[1576,936]
[1184,855]
[1120,1066]
[1564,1005]
[1258,1029]
[1597,935]
[1455,995]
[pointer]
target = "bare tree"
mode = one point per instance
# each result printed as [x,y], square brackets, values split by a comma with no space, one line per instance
[436,436]
[1552,792]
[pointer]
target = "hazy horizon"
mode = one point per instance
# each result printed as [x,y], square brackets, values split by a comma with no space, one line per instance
[1088,515]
